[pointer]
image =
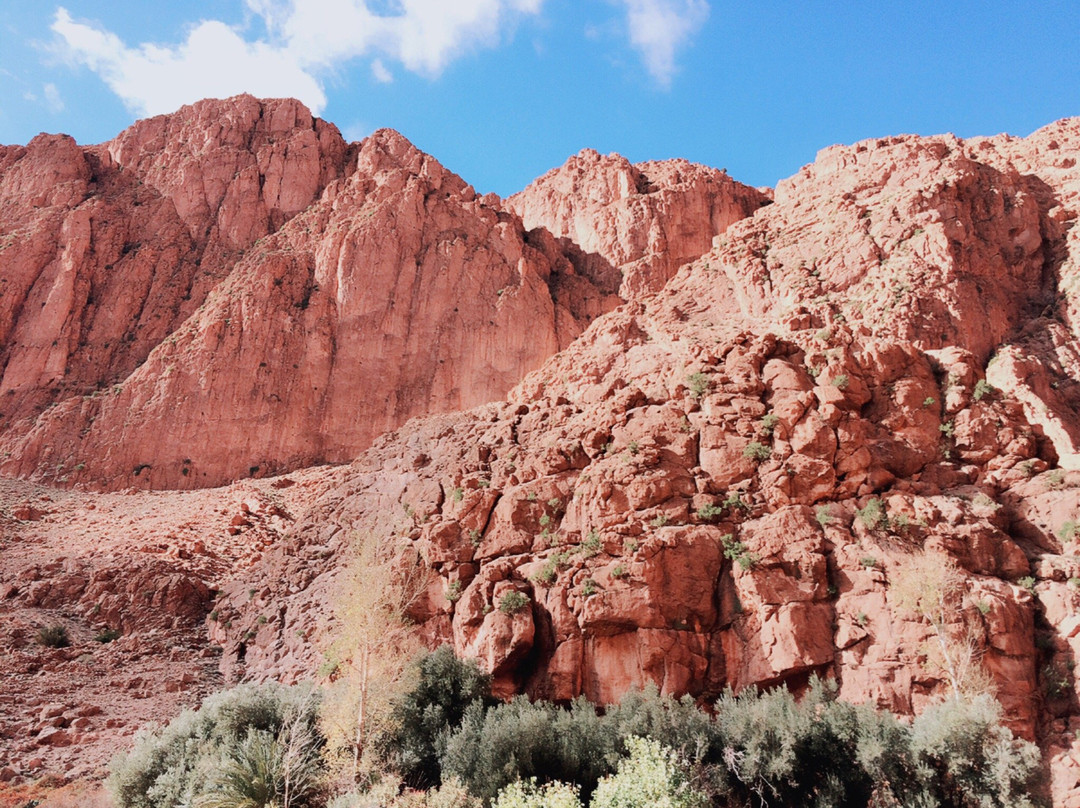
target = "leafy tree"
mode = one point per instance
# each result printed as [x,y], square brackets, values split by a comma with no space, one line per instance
[374,645]
[422,717]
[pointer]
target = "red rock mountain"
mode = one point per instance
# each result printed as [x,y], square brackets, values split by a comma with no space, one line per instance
[725,483]
[729,479]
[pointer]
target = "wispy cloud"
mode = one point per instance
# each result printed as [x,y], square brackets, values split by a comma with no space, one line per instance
[306,38]
[659,28]
[53,100]
[381,73]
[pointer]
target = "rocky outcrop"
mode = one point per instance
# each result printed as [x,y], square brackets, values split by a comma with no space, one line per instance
[840,441]
[730,482]
[106,250]
[316,311]
[648,219]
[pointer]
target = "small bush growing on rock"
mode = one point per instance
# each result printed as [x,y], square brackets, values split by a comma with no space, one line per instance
[107,636]
[699,384]
[710,512]
[757,451]
[55,636]
[872,515]
[841,382]
[768,424]
[512,602]
[983,388]
[591,546]
[547,574]
[738,552]
[1069,530]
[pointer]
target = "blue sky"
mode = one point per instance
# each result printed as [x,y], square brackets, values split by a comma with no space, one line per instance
[502,90]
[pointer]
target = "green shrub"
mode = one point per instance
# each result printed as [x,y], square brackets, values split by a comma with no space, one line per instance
[781,751]
[699,384]
[547,574]
[55,636]
[872,515]
[768,424]
[591,546]
[760,749]
[526,794]
[974,760]
[738,552]
[652,777]
[823,515]
[513,602]
[757,451]
[710,512]
[983,388]
[520,740]
[841,382]
[435,706]
[211,756]
[107,635]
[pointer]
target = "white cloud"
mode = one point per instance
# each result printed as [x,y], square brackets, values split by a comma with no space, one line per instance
[52,98]
[306,39]
[381,74]
[213,62]
[658,28]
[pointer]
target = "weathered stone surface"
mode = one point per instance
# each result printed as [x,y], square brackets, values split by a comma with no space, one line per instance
[719,484]
[277,300]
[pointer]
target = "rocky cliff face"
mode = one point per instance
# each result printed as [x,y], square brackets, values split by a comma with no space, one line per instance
[647,219]
[734,481]
[837,436]
[235,292]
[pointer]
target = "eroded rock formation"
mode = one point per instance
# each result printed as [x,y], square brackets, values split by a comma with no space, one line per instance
[236,292]
[722,484]
[724,481]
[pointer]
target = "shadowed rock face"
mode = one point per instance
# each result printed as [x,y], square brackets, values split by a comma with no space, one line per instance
[720,482]
[231,291]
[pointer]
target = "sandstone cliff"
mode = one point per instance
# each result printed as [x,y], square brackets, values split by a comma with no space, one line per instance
[725,481]
[236,292]
[724,484]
